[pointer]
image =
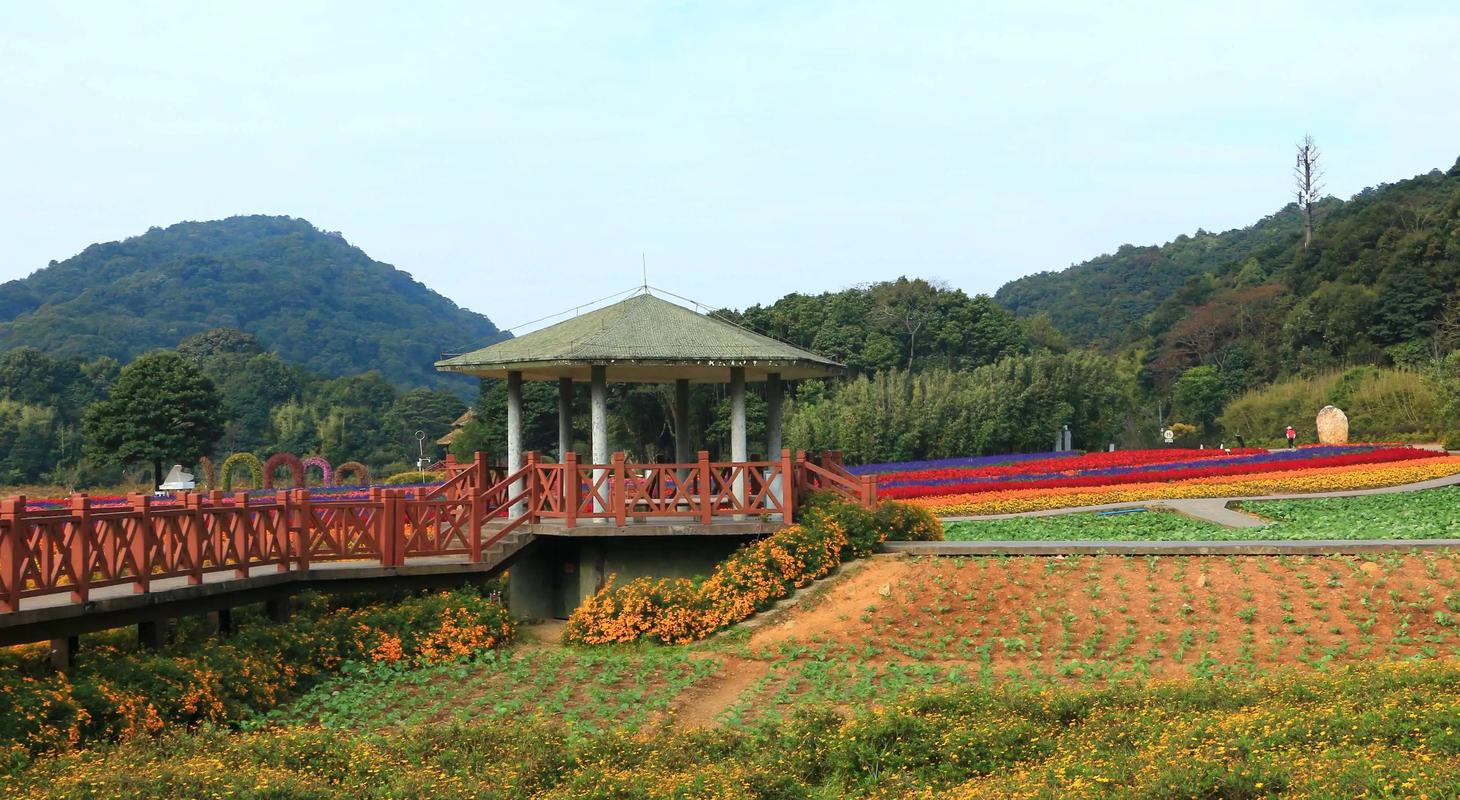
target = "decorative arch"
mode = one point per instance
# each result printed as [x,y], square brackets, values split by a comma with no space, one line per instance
[326,474]
[248,461]
[208,472]
[296,470]
[360,472]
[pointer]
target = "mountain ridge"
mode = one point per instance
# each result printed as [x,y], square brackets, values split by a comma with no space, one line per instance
[306,293]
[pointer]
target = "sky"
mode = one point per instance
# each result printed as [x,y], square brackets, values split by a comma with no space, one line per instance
[523,158]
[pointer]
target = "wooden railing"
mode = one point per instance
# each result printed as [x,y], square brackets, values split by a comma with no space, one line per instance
[79,548]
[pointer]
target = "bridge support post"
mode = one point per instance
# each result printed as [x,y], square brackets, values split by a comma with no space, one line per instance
[219,622]
[63,653]
[278,609]
[152,634]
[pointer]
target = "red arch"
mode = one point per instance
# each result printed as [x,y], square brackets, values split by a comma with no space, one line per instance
[296,469]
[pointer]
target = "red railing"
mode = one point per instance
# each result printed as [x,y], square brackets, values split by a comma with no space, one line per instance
[80,548]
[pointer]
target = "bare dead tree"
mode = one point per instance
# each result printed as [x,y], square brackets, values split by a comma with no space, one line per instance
[1308,182]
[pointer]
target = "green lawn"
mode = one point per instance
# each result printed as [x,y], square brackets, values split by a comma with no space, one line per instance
[1432,514]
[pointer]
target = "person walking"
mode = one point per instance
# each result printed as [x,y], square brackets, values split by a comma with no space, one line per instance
[1292,438]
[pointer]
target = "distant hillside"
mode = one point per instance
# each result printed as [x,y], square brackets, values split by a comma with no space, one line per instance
[1377,285]
[305,293]
[1104,300]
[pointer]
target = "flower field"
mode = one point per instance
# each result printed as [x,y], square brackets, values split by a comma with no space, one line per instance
[976,487]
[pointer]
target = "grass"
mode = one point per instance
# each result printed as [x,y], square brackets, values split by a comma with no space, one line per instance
[1430,514]
[586,690]
[1147,525]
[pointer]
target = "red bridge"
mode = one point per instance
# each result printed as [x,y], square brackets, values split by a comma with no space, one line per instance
[82,568]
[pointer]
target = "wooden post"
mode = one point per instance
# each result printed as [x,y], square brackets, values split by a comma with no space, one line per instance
[12,550]
[141,544]
[707,499]
[618,491]
[787,487]
[397,526]
[63,652]
[193,537]
[480,482]
[243,535]
[285,502]
[801,476]
[570,489]
[475,519]
[869,491]
[81,544]
[304,528]
[534,490]
[379,511]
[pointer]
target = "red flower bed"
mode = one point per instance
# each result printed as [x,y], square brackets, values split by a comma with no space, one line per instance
[1382,455]
[1120,458]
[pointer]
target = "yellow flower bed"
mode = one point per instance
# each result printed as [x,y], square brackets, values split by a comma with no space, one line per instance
[1319,479]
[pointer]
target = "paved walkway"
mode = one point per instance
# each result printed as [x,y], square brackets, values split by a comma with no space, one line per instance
[1216,509]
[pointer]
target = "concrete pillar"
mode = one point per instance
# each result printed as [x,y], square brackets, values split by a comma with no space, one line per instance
[773,430]
[63,653]
[598,400]
[514,438]
[278,609]
[152,634]
[737,426]
[565,417]
[773,415]
[219,622]
[683,452]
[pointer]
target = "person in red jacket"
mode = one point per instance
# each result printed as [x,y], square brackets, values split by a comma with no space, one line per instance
[1292,437]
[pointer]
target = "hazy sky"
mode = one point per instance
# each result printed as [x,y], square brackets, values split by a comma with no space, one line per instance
[519,157]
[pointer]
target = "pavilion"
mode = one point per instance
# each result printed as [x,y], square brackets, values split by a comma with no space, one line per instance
[644,339]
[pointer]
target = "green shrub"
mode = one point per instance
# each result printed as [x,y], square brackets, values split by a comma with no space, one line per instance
[904,522]
[413,477]
[859,524]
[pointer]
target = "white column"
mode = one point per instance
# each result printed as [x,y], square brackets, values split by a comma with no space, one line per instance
[773,430]
[565,417]
[598,399]
[737,426]
[514,437]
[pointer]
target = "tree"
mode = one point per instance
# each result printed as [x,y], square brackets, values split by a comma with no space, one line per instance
[1308,182]
[161,408]
[905,306]
[200,347]
[1197,397]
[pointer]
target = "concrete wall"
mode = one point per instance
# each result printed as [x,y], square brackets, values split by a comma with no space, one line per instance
[552,575]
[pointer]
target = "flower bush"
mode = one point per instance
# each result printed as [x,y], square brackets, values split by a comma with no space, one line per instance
[677,611]
[116,692]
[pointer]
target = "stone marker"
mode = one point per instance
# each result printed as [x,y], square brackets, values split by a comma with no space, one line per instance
[1332,426]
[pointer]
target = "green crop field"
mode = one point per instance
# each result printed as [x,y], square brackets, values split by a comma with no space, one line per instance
[1433,514]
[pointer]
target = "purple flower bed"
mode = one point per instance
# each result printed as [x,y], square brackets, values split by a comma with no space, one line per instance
[966,462]
[1280,456]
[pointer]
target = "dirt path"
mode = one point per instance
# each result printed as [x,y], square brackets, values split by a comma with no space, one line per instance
[701,705]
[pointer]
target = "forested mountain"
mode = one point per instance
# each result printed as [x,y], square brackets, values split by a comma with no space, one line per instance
[1371,288]
[304,293]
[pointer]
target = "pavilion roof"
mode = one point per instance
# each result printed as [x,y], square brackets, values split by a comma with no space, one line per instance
[642,339]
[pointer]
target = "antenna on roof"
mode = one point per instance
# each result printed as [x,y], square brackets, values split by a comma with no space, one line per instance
[644,263]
